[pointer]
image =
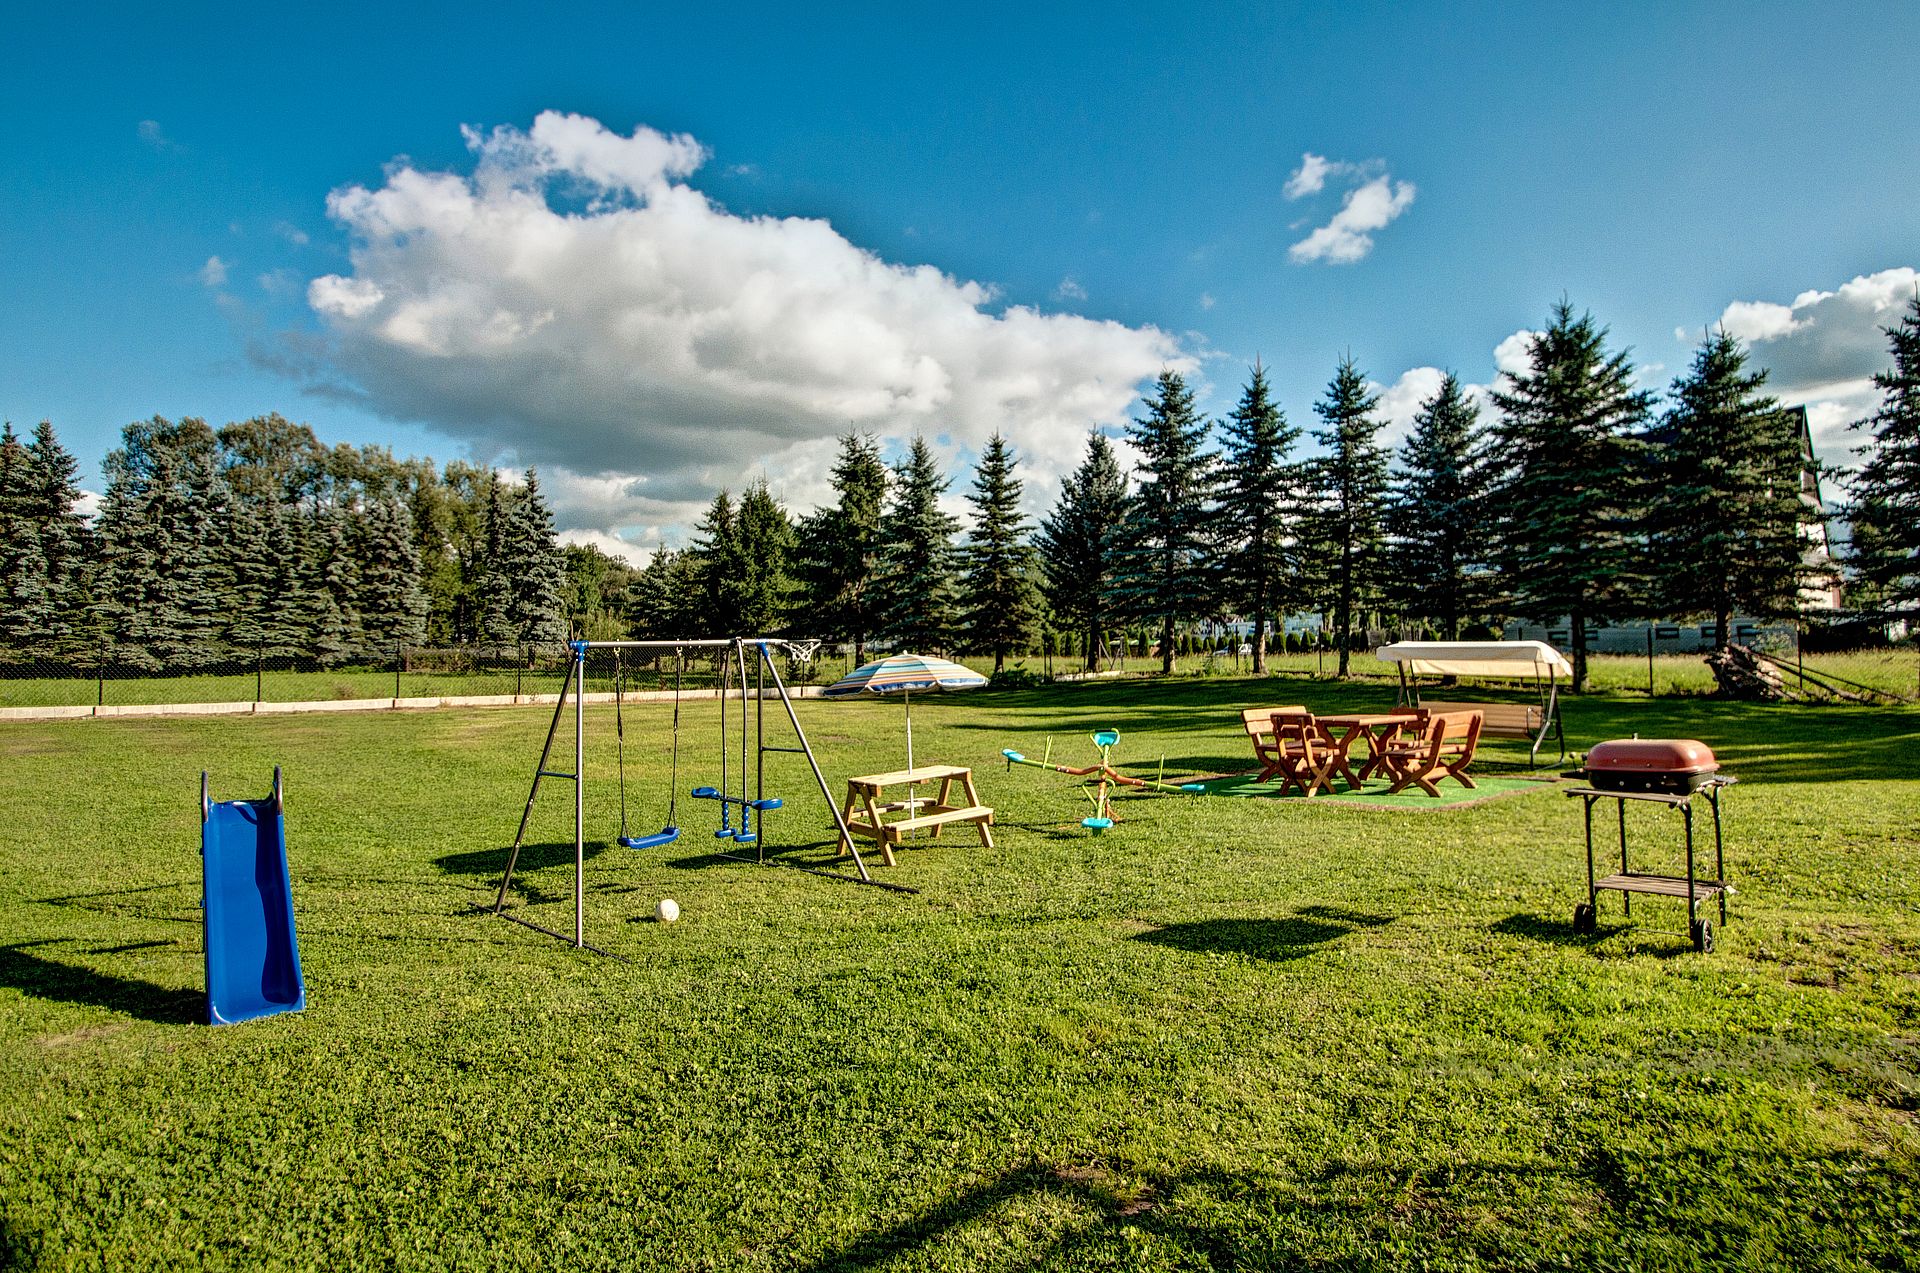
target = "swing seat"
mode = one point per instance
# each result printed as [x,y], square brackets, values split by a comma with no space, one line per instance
[744,837]
[1096,825]
[705,793]
[666,835]
[1106,737]
[764,805]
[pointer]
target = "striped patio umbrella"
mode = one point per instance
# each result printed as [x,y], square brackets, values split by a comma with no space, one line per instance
[902,674]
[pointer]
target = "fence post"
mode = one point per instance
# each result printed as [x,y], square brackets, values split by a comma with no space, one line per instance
[399,661]
[520,666]
[259,674]
[100,675]
[1649,662]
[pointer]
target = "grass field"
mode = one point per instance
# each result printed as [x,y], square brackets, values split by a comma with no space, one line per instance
[1231,1033]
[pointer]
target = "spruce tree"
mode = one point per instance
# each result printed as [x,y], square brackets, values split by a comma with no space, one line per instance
[1344,528]
[486,580]
[392,606]
[168,580]
[1438,522]
[1885,494]
[839,546]
[1000,599]
[663,601]
[66,543]
[719,568]
[766,561]
[337,635]
[1080,546]
[916,568]
[1167,561]
[1568,498]
[26,599]
[1724,533]
[535,568]
[255,574]
[1259,508]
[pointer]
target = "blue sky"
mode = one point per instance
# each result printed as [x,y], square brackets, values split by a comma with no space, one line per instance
[739,232]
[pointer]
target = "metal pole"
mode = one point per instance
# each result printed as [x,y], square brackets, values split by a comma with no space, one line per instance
[1649,662]
[840,824]
[539,771]
[580,797]
[399,660]
[259,673]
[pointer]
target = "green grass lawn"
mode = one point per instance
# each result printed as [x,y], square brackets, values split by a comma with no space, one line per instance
[1230,1033]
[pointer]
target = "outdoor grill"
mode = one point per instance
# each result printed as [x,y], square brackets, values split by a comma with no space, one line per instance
[1674,766]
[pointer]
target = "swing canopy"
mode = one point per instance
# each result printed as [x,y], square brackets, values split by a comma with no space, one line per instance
[1531,659]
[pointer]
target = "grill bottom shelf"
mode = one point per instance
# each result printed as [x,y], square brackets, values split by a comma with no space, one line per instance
[1662,885]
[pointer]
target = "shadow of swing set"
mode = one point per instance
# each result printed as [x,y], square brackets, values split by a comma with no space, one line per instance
[743,658]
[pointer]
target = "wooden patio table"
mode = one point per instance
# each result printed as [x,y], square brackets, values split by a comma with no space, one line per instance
[1377,729]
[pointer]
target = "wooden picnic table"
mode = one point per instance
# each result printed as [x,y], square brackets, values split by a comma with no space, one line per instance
[867,807]
[1378,729]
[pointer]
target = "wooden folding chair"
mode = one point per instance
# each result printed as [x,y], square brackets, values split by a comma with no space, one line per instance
[1258,722]
[1443,749]
[1307,755]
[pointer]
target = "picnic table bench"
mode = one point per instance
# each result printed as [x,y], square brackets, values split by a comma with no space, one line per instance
[867,807]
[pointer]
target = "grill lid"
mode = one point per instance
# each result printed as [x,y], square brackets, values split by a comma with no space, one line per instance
[1652,755]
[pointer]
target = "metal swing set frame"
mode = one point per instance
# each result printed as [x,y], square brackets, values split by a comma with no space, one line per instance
[736,651]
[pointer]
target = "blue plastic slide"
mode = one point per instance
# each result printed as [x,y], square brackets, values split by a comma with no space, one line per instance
[253,960]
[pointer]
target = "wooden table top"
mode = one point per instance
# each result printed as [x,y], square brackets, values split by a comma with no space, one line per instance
[920,773]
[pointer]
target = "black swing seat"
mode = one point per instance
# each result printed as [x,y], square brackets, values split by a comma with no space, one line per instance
[666,835]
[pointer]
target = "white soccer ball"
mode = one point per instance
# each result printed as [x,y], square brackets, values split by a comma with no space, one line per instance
[667,911]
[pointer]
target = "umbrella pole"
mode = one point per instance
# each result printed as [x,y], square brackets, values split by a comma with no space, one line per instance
[906,696]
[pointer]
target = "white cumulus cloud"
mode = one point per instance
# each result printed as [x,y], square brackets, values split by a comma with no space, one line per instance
[214,272]
[1400,401]
[1310,178]
[574,302]
[1822,349]
[1348,236]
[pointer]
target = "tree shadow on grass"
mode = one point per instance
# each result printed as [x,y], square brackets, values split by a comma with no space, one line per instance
[60,982]
[1292,937]
[1196,1218]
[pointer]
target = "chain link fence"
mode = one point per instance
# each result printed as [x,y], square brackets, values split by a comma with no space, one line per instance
[1809,669]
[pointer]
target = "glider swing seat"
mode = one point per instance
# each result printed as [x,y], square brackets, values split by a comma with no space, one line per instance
[736,650]
[745,834]
[1534,661]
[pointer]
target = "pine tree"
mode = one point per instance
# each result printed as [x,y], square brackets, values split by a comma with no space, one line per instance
[26,600]
[719,568]
[1259,510]
[766,555]
[1167,559]
[1344,528]
[168,582]
[1080,546]
[249,558]
[1438,516]
[66,542]
[535,568]
[916,569]
[392,606]
[1568,498]
[664,598]
[337,634]
[1724,534]
[838,548]
[1885,494]
[486,572]
[1000,596]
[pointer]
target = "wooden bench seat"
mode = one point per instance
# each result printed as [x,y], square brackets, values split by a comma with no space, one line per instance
[937,816]
[1504,720]
[1529,721]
